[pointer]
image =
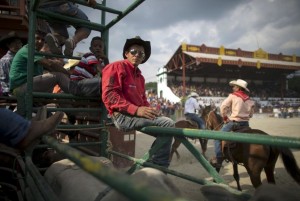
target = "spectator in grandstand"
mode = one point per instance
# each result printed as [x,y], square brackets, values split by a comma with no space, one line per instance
[12,43]
[240,109]
[59,35]
[17,132]
[124,96]
[190,107]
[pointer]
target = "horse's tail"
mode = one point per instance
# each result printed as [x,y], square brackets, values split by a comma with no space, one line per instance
[290,164]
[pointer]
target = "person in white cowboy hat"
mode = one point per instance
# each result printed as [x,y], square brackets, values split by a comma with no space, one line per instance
[11,43]
[123,93]
[190,107]
[236,110]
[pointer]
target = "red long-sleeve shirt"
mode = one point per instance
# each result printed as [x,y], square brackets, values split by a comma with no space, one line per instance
[123,88]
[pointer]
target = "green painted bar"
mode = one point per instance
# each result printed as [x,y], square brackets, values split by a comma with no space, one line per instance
[76,144]
[40,182]
[30,64]
[128,10]
[290,142]
[34,4]
[212,171]
[49,16]
[142,162]
[79,127]
[79,109]
[63,96]
[116,179]
[181,175]
[99,7]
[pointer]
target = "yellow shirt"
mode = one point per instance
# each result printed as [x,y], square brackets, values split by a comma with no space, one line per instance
[236,109]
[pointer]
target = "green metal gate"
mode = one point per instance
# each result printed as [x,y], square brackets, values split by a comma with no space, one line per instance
[38,187]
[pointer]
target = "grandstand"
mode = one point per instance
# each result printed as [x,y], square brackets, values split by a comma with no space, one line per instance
[208,70]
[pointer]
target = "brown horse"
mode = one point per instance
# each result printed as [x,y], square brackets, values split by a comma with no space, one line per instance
[255,157]
[186,124]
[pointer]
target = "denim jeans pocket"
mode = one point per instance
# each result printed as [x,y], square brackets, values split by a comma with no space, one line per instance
[68,9]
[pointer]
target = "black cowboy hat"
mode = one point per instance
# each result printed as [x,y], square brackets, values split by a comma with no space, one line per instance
[138,41]
[4,40]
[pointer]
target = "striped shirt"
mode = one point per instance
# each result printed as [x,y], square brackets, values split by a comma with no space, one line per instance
[87,67]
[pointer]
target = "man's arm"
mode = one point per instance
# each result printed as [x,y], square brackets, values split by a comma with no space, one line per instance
[53,65]
[92,3]
[225,108]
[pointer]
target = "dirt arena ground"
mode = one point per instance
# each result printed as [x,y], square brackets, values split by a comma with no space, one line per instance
[189,165]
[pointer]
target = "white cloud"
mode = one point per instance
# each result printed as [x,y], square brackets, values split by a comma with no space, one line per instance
[272,25]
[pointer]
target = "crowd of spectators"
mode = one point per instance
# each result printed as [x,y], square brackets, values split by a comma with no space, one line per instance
[222,90]
[213,94]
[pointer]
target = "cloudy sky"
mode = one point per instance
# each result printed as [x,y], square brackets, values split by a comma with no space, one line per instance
[272,25]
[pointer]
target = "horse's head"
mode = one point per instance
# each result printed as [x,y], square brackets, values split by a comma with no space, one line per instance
[213,120]
[206,110]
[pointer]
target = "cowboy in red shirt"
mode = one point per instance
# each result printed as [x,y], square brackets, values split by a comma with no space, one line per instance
[123,93]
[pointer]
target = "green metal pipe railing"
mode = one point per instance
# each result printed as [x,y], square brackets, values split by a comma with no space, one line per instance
[142,162]
[46,191]
[50,16]
[135,4]
[114,178]
[212,171]
[30,64]
[54,109]
[80,127]
[99,7]
[289,142]
[73,144]
[64,96]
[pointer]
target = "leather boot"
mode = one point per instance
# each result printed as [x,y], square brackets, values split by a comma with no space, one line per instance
[39,128]
[216,162]
[219,163]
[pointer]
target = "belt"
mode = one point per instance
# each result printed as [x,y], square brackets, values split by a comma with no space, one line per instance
[239,121]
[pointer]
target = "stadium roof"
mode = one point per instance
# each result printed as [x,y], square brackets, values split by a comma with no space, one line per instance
[227,63]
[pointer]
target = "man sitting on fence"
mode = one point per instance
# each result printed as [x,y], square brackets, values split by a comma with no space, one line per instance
[123,93]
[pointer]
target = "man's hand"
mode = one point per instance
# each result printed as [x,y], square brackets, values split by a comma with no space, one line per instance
[147,112]
[226,119]
[92,3]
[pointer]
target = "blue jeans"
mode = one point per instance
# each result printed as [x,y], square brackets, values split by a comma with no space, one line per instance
[68,9]
[86,87]
[227,128]
[13,127]
[196,118]
[128,123]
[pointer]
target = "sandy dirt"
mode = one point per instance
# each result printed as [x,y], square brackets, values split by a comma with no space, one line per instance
[189,165]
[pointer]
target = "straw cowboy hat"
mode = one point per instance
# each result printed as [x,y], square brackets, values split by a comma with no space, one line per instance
[138,41]
[71,63]
[240,83]
[4,40]
[193,94]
